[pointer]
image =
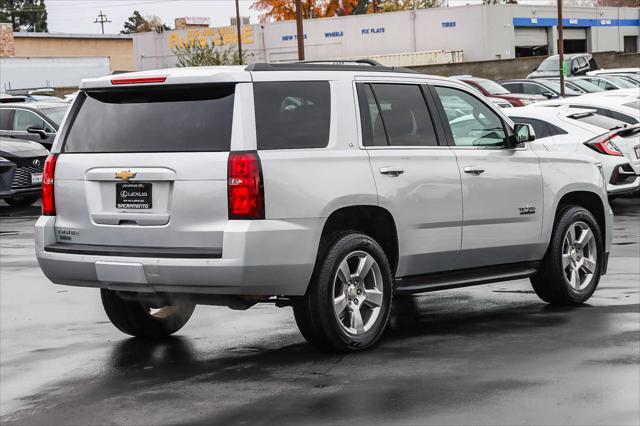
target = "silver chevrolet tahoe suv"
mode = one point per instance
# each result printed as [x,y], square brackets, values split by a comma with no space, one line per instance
[330,188]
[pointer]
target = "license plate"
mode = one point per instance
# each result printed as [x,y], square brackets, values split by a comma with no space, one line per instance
[36,178]
[135,196]
[637,148]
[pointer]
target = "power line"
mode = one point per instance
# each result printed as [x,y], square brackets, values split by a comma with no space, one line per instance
[103,19]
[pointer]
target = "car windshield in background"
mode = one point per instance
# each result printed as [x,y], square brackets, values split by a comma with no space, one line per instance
[555,86]
[598,120]
[552,64]
[492,87]
[620,82]
[152,119]
[55,114]
[587,86]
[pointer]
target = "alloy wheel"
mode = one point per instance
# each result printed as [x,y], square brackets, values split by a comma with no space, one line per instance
[579,255]
[358,292]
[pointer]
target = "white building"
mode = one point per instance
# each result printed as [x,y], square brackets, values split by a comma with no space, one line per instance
[480,32]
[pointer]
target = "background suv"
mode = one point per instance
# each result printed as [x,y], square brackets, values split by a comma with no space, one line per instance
[330,188]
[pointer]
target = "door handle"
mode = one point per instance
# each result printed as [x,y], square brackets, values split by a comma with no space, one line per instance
[391,171]
[473,170]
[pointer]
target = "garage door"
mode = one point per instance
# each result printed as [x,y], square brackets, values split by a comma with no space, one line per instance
[531,36]
[574,34]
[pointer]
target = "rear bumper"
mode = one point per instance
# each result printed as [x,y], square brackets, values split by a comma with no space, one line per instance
[265,257]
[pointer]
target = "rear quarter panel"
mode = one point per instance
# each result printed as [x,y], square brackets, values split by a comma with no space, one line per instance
[566,173]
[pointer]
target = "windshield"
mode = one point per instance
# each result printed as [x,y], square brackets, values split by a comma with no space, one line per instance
[598,120]
[552,64]
[555,86]
[492,87]
[587,86]
[56,114]
[620,82]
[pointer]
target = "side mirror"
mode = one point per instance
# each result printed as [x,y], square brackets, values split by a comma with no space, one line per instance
[521,133]
[549,95]
[38,131]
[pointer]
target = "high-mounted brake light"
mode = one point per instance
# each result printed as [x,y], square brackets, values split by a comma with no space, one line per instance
[244,186]
[604,145]
[139,80]
[48,173]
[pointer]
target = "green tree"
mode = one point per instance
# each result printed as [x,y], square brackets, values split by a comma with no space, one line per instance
[196,54]
[24,15]
[139,24]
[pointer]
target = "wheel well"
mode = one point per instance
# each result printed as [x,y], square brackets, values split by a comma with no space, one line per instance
[374,221]
[589,201]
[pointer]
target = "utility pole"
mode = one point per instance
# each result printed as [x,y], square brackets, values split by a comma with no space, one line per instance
[101,19]
[300,30]
[561,48]
[238,29]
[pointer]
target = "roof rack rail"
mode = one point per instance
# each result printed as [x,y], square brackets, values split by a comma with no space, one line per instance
[328,65]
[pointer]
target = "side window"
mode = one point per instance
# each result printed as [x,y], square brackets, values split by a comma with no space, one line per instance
[404,115]
[582,61]
[22,120]
[5,119]
[292,114]
[479,126]
[555,130]
[513,87]
[372,128]
[539,126]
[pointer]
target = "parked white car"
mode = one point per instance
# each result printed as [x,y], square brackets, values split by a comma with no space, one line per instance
[584,132]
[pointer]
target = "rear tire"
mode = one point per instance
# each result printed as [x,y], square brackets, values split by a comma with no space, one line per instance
[140,319]
[570,270]
[347,305]
[22,201]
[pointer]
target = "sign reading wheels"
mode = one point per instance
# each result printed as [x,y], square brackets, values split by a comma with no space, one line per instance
[133,196]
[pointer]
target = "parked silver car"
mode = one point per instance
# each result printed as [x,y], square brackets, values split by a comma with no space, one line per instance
[329,188]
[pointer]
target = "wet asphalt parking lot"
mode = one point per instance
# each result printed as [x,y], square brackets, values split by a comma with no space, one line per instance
[492,354]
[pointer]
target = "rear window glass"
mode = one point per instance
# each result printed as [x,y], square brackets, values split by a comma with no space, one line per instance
[152,119]
[598,120]
[292,115]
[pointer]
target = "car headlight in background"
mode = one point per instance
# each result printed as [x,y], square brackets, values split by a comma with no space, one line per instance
[4,160]
[527,101]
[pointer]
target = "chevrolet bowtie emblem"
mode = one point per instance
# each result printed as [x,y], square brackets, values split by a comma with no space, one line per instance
[125,175]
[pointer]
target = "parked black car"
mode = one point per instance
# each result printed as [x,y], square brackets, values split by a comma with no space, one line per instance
[576,63]
[548,88]
[21,165]
[34,121]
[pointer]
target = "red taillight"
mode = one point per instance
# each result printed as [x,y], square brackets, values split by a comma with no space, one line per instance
[604,145]
[244,185]
[48,201]
[138,80]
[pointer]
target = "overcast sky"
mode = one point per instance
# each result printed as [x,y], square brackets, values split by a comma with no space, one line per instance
[78,16]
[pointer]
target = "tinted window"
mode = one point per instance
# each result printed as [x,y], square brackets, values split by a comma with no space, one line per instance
[372,128]
[539,126]
[5,119]
[479,126]
[152,119]
[597,120]
[534,89]
[608,113]
[292,114]
[404,115]
[513,87]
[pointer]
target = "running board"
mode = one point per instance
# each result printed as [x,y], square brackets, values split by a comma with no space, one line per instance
[465,278]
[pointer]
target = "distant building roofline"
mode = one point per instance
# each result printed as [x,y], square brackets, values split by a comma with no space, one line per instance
[71,35]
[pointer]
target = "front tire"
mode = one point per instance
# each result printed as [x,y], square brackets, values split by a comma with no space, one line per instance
[570,270]
[347,305]
[141,319]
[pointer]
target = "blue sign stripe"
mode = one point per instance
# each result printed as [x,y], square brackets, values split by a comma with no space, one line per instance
[575,22]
